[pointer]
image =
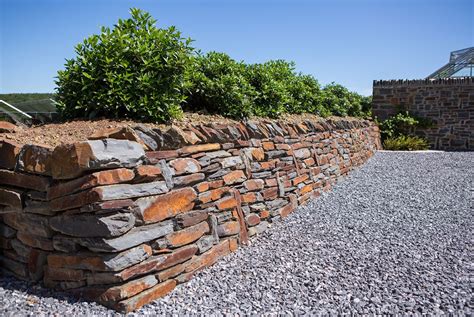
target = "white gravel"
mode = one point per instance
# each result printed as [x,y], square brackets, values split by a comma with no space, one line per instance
[395,237]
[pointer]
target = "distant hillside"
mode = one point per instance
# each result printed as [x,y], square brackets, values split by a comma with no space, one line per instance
[16,98]
[38,105]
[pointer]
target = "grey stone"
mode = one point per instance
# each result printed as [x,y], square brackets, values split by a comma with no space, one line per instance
[6,231]
[212,220]
[124,191]
[211,168]
[132,238]
[21,249]
[110,153]
[152,139]
[275,154]
[231,161]
[66,244]
[217,154]
[219,173]
[276,203]
[118,262]
[29,223]
[302,153]
[262,174]
[205,243]
[85,225]
[188,180]
[167,173]
[38,207]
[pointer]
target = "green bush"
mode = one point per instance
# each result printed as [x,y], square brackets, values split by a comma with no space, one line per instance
[338,100]
[270,81]
[405,143]
[305,93]
[395,132]
[134,70]
[400,124]
[217,84]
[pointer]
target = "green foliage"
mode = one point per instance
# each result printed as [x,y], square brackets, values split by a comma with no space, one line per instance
[270,80]
[134,70]
[405,143]
[217,84]
[397,125]
[305,93]
[395,132]
[338,100]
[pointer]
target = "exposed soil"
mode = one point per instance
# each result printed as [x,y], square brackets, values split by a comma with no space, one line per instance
[53,134]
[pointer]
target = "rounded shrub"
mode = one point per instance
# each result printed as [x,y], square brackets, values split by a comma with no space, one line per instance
[217,84]
[270,81]
[305,93]
[134,70]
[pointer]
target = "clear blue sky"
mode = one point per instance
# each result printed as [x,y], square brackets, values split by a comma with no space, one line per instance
[349,42]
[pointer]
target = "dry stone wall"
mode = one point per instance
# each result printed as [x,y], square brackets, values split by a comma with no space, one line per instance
[124,217]
[447,103]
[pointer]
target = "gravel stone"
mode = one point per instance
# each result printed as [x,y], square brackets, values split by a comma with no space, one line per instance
[395,237]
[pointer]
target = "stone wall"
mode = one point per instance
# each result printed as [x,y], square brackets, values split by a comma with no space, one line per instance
[124,217]
[447,103]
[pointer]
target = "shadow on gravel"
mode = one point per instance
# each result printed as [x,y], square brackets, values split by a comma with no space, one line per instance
[34,294]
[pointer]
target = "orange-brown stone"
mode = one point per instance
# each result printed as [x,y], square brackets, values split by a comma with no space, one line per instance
[268,146]
[306,189]
[249,198]
[36,159]
[226,203]
[185,165]
[258,154]
[234,177]
[121,133]
[228,228]
[157,208]
[178,256]
[191,149]
[210,257]
[212,195]
[187,235]
[145,297]
[127,290]
[171,272]
[146,173]
[29,181]
[252,220]
[109,177]
[264,214]
[300,179]
[254,184]
[8,127]
[8,154]
[202,187]
[286,210]
[270,193]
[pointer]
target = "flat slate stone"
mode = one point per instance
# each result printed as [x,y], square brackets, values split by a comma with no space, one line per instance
[87,225]
[29,181]
[100,262]
[132,238]
[111,192]
[72,160]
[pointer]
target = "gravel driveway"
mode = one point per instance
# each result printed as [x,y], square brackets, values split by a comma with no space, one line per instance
[395,237]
